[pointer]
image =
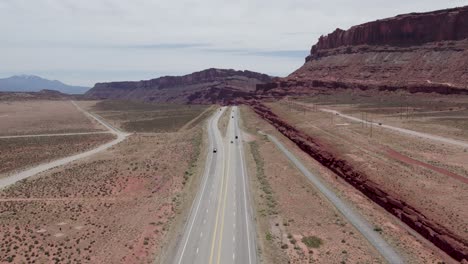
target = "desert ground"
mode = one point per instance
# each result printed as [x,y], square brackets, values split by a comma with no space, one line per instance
[20,153]
[118,206]
[139,117]
[429,174]
[43,117]
[296,224]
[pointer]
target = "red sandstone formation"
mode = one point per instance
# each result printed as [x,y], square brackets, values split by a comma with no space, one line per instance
[402,31]
[453,244]
[419,52]
[207,86]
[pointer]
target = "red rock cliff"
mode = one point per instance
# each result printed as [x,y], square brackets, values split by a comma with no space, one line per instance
[403,30]
[417,52]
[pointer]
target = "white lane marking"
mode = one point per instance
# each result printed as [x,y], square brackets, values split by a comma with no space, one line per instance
[201,234]
[206,210]
[204,221]
[197,251]
[201,194]
[245,196]
[233,255]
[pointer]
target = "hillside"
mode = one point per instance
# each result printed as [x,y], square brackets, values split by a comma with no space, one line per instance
[418,52]
[31,83]
[207,86]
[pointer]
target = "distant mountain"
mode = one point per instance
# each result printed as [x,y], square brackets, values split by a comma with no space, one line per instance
[207,86]
[31,83]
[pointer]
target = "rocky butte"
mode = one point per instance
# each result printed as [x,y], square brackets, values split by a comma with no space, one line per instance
[207,86]
[417,52]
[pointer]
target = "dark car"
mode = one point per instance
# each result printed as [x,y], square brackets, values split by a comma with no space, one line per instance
[237,137]
[215,150]
[232,141]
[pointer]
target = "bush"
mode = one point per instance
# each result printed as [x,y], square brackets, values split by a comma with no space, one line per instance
[312,241]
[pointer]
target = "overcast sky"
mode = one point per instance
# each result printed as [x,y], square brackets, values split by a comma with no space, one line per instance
[82,42]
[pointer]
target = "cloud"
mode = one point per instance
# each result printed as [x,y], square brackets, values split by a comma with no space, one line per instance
[264,53]
[166,46]
[103,39]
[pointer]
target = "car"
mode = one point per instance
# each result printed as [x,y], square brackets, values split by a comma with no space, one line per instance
[215,150]
[232,141]
[237,137]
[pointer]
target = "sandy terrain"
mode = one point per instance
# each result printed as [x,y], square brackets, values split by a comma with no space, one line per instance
[42,117]
[438,195]
[116,207]
[429,175]
[289,209]
[21,153]
[147,117]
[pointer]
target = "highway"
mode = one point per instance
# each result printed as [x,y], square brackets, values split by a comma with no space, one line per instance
[220,225]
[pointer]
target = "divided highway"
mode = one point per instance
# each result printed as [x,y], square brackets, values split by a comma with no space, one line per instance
[220,226]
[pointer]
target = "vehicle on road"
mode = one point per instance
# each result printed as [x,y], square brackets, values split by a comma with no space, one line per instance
[215,150]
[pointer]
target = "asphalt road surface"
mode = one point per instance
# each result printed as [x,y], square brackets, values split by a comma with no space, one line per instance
[364,227]
[220,226]
[4,182]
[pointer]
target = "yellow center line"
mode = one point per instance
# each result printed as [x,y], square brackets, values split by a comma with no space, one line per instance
[224,206]
[213,240]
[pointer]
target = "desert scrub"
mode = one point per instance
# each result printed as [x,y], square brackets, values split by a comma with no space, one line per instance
[264,184]
[196,145]
[312,241]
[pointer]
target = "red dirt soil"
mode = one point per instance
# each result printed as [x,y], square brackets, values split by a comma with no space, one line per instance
[398,156]
[453,244]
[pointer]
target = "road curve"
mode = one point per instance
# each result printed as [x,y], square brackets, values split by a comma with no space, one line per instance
[364,227]
[219,228]
[4,182]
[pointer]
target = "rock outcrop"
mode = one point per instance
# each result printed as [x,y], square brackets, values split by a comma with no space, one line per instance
[418,52]
[401,31]
[207,86]
[454,245]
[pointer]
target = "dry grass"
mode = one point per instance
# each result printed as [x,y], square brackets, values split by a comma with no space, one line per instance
[146,117]
[42,117]
[113,208]
[20,153]
[224,121]
[435,194]
[289,210]
[117,206]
